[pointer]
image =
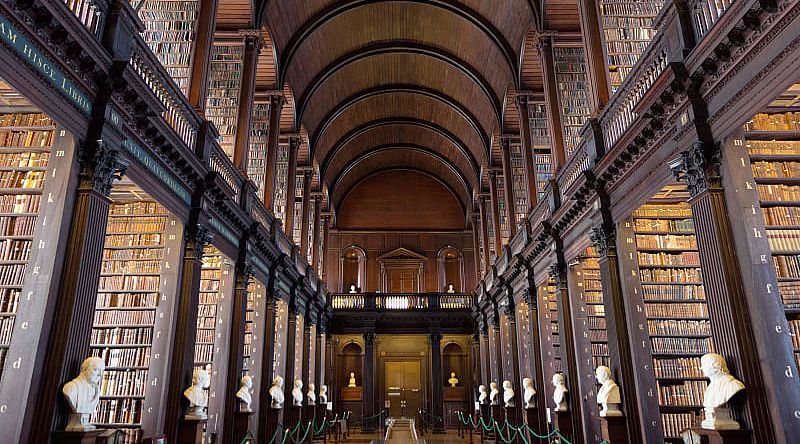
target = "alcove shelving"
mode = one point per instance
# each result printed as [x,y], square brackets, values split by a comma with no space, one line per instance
[224,81]
[548,322]
[573,92]
[257,157]
[542,147]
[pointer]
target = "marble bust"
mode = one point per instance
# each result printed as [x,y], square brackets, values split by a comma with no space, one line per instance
[323,394]
[197,395]
[528,392]
[720,390]
[353,289]
[508,394]
[245,394]
[450,288]
[608,395]
[493,393]
[276,393]
[482,395]
[453,381]
[311,397]
[352,382]
[83,394]
[297,393]
[560,392]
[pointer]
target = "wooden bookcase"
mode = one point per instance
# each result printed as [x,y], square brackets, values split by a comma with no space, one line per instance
[137,288]
[170,33]
[542,147]
[224,82]
[257,157]
[666,299]
[548,323]
[519,178]
[627,30]
[279,204]
[501,205]
[296,204]
[573,92]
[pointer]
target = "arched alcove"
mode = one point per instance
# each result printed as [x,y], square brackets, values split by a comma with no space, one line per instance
[451,269]
[352,268]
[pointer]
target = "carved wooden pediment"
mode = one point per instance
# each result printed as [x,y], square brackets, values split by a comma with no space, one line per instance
[401,254]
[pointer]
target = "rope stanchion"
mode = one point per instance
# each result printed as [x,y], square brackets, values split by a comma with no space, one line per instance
[508,433]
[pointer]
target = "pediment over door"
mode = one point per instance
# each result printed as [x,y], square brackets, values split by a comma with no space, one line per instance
[402,271]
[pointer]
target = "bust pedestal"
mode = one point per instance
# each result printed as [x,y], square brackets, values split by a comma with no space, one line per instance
[272,423]
[322,418]
[241,425]
[696,435]
[498,414]
[485,414]
[190,431]
[614,429]
[351,394]
[563,422]
[512,415]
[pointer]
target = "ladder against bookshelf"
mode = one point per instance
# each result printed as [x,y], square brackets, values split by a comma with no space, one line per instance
[627,30]
[667,283]
[170,34]
[257,158]
[224,82]
[573,92]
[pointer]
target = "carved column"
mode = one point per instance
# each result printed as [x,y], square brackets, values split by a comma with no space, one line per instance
[203,43]
[69,339]
[265,429]
[508,190]
[306,213]
[482,202]
[291,187]
[276,102]
[494,200]
[252,46]
[536,371]
[315,235]
[527,149]
[595,54]
[368,425]
[567,336]
[728,309]
[437,381]
[620,347]
[545,47]
[235,362]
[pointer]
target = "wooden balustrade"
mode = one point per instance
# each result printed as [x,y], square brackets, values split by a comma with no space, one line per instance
[402,301]
[219,162]
[705,13]
[91,13]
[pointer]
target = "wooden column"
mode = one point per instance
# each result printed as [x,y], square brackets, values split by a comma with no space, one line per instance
[265,429]
[527,150]
[476,246]
[243,273]
[315,238]
[69,339]
[477,370]
[567,337]
[368,426]
[514,371]
[306,213]
[276,102]
[508,190]
[620,347]
[497,353]
[319,352]
[494,199]
[485,359]
[290,417]
[437,381]
[252,46]
[545,47]
[305,375]
[484,232]
[323,272]
[727,303]
[595,54]
[203,43]
[536,371]
[291,187]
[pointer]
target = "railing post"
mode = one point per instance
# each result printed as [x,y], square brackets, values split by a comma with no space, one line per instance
[434,301]
[369,301]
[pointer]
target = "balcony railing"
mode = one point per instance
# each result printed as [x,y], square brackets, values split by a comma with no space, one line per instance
[90,12]
[706,13]
[402,301]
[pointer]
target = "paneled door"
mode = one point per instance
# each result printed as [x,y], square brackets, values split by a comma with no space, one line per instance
[403,281]
[403,388]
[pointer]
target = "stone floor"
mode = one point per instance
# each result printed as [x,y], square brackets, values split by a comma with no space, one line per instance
[449,437]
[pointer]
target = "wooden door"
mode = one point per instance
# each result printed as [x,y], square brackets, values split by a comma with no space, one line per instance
[403,388]
[403,281]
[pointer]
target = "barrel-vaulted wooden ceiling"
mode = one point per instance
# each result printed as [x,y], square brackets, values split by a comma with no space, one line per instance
[380,84]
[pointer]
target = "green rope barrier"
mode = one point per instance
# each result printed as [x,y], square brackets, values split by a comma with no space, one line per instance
[500,433]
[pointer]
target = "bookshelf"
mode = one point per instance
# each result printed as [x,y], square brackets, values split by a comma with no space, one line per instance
[26,142]
[501,205]
[282,171]
[249,324]
[519,179]
[299,338]
[666,289]
[310,235]
[257,157]
[170,33]
[523,339]
[224,82]
[627,30]
[548,322]
[573,93]
[281,336]
[772,141]
[297,206]
[542,148]
[592,296]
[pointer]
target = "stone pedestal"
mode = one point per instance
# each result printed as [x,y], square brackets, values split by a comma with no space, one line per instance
[614,429]
[241,425]
[563,422]
[91,437]
[190,431]
[696,435]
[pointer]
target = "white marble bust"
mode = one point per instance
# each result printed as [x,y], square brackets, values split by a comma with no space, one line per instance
[353,289]
[311,397]
[493,393]
[528,392]
[323,394]
[245,394]
[719,391]
[83,394]
[560,392]
[276,393]
[608,396]
[508,394]
[197,395]
[297,393]
[482,395]
[450,288]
